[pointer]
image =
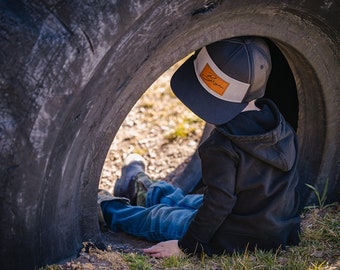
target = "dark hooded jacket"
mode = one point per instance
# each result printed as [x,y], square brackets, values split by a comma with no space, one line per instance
[249,167]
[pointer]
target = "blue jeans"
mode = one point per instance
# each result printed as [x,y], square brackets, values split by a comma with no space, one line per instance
[167,214]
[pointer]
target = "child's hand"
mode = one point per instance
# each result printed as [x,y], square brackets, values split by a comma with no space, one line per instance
[164,249]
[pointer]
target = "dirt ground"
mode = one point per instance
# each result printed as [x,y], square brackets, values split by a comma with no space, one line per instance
[160,128]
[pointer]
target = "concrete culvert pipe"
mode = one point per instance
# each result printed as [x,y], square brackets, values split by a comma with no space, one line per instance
[70,71]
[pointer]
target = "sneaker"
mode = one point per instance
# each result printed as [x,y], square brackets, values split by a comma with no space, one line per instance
[125,185]
[103,196]
[142,185]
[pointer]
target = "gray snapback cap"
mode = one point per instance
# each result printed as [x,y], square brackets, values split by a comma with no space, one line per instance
[221,78]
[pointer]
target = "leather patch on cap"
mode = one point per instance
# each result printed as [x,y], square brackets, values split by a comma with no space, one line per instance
[213,81]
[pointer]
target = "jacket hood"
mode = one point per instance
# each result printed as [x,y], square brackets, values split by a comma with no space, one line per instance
[263,134]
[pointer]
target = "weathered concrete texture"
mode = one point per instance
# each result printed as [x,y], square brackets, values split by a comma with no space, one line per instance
[71,70]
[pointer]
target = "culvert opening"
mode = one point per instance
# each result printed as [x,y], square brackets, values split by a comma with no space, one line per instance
[159,128]
[167,134]
[281,86]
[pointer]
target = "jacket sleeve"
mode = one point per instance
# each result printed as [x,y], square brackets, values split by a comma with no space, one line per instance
[218,173]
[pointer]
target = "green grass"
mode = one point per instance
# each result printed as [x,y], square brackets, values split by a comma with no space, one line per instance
[320,197]
[137,262]
[183,129]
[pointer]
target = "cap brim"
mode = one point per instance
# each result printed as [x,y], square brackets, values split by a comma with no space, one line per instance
[188,89]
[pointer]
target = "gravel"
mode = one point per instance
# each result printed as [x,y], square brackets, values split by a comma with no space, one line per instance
[161,129]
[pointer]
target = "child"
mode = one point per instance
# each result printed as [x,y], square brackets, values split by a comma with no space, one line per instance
[249,164]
